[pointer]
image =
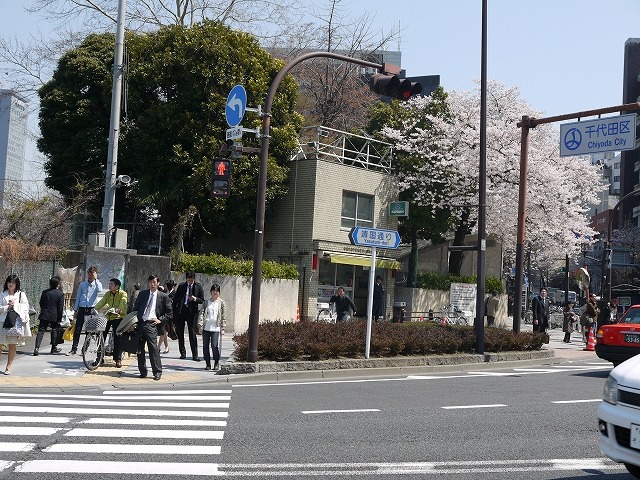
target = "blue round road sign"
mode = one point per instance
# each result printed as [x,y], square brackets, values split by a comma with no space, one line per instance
[236,105]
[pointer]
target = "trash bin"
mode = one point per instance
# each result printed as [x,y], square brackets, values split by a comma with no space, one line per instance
[399,310]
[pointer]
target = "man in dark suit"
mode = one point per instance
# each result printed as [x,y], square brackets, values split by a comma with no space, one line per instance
[540,310]
[51,310]
[154,310]
[186,302]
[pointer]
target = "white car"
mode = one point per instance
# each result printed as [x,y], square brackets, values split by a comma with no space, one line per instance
[619,416]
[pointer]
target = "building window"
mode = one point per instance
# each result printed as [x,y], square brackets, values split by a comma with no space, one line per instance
[357,210]
[616,165]
[616,178]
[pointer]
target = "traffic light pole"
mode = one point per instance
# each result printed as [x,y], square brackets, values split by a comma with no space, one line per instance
[258,245]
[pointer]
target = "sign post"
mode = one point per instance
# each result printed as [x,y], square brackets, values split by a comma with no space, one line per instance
[372,237]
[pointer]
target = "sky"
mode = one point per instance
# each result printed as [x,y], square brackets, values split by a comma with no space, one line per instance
[566,56]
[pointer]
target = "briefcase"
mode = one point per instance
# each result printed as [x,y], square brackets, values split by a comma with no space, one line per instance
[130,342]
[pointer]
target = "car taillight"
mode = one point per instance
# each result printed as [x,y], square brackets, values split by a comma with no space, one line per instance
[599,333]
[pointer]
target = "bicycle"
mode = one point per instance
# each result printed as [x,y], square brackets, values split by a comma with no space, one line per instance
[93,348]
[326,314]
[452,315]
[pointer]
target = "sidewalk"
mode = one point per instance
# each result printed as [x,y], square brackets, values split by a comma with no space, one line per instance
[58,370]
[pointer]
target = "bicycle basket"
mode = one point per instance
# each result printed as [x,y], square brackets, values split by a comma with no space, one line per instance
[95,323]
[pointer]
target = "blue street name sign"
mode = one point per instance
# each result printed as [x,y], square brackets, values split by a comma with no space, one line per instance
[374,237]
[602,135]
[235,106]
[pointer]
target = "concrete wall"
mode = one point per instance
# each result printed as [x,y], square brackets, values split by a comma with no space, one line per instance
[278,298]
[420,300]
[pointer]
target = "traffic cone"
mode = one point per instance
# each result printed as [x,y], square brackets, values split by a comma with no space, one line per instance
[591,343]
[444,320]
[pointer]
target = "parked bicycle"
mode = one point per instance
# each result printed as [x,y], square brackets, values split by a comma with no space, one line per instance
[326,313]
[451,315]
[93,349]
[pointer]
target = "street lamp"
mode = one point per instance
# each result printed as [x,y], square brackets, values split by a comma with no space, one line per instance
[607,252]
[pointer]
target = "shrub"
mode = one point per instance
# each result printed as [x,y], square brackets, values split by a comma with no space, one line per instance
[214,264]
[279,341]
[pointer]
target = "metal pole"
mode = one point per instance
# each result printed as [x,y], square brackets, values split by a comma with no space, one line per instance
[114,127]
[372,282]
[160,239]
[258,242]
[566,279]
[482,188]
[522,209]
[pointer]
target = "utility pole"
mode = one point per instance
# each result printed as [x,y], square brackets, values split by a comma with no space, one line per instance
[108,208]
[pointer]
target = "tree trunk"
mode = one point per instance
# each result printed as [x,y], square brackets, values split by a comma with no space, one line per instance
[456,257]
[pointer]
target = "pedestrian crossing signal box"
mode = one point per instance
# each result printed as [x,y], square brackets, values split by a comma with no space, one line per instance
[221,178]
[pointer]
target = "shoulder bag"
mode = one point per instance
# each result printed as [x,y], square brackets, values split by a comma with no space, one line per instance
[13,322]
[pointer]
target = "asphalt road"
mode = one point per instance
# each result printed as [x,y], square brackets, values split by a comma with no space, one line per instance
[526,423]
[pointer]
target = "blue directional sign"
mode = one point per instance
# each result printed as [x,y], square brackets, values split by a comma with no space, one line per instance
[601,135]
[374,237]
[236,105]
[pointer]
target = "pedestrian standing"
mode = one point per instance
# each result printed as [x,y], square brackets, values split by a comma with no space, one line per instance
[154,309]
[211,327]
[13,299]
[540,308]
[568,320]
[116,302]
[378,298]
[86,298]
[186,303]
[591,316]
[491,308]
[134,296]
[51,311]
[168,326]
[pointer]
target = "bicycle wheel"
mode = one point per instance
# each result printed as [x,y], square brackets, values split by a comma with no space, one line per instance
[324,316]
[462,320]
[93,350]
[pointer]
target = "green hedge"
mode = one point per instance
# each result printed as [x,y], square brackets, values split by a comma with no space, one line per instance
[438,281]
[214,264]
[279,341]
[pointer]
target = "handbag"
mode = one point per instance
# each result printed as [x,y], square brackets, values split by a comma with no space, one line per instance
[69,332]
[16,330]
[130,341]
[11,319]
[59,336]
[171,330]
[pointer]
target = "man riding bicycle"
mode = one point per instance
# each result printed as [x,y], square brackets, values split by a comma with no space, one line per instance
[342,303]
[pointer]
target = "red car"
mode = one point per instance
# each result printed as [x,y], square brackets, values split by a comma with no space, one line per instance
[620,341]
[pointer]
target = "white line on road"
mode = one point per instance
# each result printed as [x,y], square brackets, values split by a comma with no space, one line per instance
[494,405]
[116,432]
[112,411]
[115,403]
[18,419]
[134,449]
[129,396]
[166,392]
[16,446]
[593,400]
[156,421]
[263,470]
[31,430]
[307,412]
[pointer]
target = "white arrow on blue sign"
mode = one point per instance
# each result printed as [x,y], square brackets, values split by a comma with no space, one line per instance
[236,105]
[374,237]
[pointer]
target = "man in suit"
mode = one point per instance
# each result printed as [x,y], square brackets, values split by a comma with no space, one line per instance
[186,302]
[540,309]
[51,309]
[154,309]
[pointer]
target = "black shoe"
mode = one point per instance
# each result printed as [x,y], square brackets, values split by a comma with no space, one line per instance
[143,375]
[208,366]
[196,359]
[157,376]
[183,356]
[216,365]
[56,350]
[35,352]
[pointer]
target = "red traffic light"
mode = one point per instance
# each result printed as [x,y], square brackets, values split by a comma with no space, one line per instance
[394,87]
[221,178]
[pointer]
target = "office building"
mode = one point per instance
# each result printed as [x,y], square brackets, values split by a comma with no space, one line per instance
[13,141]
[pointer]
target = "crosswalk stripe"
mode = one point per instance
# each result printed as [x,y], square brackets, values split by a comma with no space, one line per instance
[112,411]
[18,419]
[33,430]
[156,421]
[163,392]
[134,449]
[120,468]
[116,432]
[16,446]
[111,403]
[130,396]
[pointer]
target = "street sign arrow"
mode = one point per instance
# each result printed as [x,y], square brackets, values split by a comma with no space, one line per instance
[236,105]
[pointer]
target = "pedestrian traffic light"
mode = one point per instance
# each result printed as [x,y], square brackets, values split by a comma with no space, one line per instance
[394,87]
[221,179]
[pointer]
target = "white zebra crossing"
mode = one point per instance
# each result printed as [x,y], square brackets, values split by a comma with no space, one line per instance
[57,424]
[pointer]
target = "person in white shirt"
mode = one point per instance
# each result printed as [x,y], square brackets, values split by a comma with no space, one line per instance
[211,327]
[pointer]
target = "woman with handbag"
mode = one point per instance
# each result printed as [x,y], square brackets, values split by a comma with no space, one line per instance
[14,317]
[211,327]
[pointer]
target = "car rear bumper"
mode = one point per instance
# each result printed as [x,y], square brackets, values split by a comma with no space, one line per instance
[615,353]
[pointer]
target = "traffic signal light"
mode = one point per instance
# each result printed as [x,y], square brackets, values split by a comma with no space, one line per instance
[394,87]
[221,179]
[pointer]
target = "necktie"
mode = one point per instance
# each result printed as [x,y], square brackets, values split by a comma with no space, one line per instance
[148,307]
[186,299]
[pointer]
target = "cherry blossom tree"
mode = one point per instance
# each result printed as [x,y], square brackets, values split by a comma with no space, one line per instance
[560,189]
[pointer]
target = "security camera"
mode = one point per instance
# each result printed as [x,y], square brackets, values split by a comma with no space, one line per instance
[122,180]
